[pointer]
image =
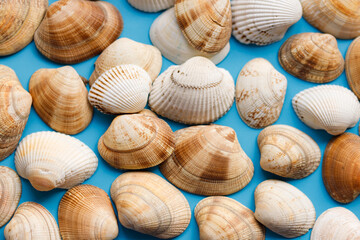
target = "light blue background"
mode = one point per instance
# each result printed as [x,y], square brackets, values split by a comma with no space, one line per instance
[136,27]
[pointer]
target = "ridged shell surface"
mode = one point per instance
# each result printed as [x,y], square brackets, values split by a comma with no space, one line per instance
[151,5]
[353,66]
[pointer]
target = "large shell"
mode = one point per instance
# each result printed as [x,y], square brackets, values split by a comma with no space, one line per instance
[151,5]
[208,160]
[353,66]
[263,22]
[195,92]
[224,218]
[288,152]
[54,160]
[75,30]
[60,99]
[329,107]
[283,208]
[148,204]
[260,93]
[313,57]
[86,212]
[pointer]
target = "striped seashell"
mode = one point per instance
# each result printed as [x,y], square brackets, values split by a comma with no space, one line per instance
[151,5]
[353,66]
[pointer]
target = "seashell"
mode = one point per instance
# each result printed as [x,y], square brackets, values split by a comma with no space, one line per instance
[151,5]
[224,218]
[127,51]
[32,221]
[313,57]
[262,23]
[122,89]
[208,160]
[136,142]
[196,92]
[147,112]
[288,152]
[329,107]
[340,18]
[206,24]
[75,30]
[260,93]
[54,160]
[148,204]
[86,212]
[15,105]
[60,99]
[166,35]
[353,67]
[10,193]
[283,208]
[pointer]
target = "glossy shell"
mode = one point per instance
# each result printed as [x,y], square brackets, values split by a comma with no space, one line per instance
[353,66]
[151,5]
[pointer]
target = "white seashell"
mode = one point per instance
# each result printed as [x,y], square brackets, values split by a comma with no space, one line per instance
[151,5]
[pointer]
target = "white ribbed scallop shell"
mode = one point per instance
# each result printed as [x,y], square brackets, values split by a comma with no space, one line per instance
[151,5]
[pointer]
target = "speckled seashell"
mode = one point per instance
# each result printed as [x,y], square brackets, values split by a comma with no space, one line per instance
[151,5]
[148,204]
[353,66]
[260,93]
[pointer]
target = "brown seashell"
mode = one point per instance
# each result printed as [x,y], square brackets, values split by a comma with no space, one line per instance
[353,66]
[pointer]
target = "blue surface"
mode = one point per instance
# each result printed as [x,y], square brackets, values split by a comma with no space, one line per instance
[136,27]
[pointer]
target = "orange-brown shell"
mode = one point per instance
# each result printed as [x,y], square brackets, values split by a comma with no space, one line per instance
[353,66]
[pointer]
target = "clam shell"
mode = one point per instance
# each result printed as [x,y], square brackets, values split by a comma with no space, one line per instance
[353,66]
[86,212]
[195,92]
[54,160]
[283,208]
[208,160]
[151,5]
[224,218]
[148,204]
[329,107]
[147,112]
[260,93]
[75,30]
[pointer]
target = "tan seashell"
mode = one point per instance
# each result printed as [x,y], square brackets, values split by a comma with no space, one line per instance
[147,112]
[75,30]
[151,5]
[208,160]
[353,66]
[86,212]
[224,218]
[148,204]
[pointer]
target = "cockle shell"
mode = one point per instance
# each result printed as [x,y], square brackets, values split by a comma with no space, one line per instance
[196,92]
[151,5]
[60,99]
[260,93]
[166,35]
[54,160]
[288,152]
[263,22]
[86,212]
[208,160]
[329,107]
[15,105]
[76,30]
[148,204]
[122,89]
[224,218]
[283,208]
[353,66]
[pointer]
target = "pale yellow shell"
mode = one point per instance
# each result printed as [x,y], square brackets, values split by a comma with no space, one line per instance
[151,5]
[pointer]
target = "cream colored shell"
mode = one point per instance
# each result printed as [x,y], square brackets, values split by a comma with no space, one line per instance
[151,5]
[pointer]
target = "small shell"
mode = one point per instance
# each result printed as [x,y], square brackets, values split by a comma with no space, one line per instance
[208,160]
[151,5]
[313,57]
[196,92]
[86,212]
[54,160]
[260,93]
[353,66]
[224,218]
[329,107]
[148,204]
[283,208]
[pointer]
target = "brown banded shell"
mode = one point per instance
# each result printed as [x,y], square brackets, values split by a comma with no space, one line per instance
[353,66]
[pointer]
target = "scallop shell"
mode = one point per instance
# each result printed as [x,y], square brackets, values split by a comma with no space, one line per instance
[122,89]
[195,92]
[60,99]
[54,160]
[263,22]
[329,107]
[136,142]
[148,204]
[208,160]
[224,218]
[166,35]
[86,212]
[283,208]
[260,93]
[151,5]
[353,66]
[32,221]
[288,152]
[76,30]
[313,57]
